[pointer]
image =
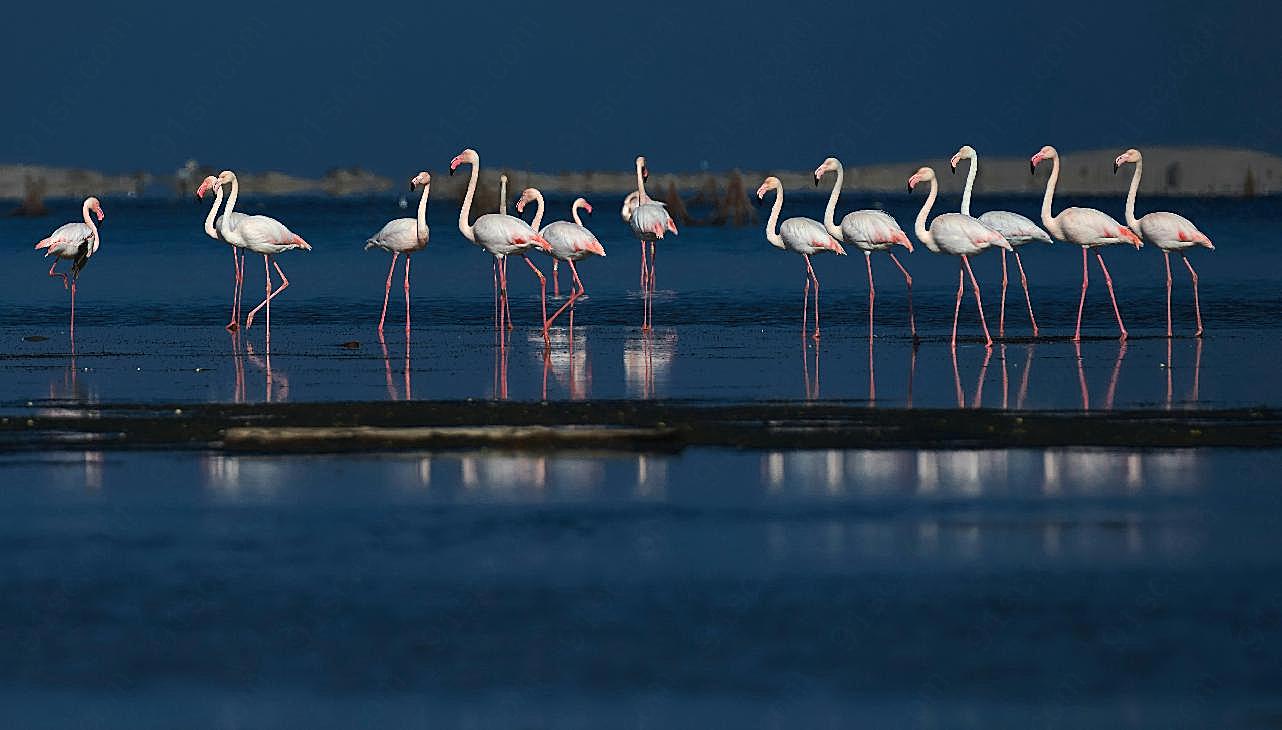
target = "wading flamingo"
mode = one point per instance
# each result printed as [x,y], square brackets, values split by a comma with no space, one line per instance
[1167,231]
[237,255]
[403,236]
[1085,227]
[501,235]
[570,242]
[649,221]
[805,236]
[959,235]
[1015,228]
[868,231]
[260,234]
[77,242]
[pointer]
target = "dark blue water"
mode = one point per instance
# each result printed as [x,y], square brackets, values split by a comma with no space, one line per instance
[153,302]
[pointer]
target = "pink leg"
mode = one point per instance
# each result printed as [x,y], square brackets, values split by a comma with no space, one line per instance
[556,280]
[1109,281]
[494,269]
[234,325]
[73,313]
[1166,256]
[872,294]
[805,308]
[271,293]
[810,270]
[66,282]
[407,297]
[1196,304]
[1169,367]
[650,281]
[1086,279]
[988,341]
[912,320]
[240,288]
[1028,298]
[576,291]
[543,295]
[643,268]
[961,282]
[1001,314]
[387,290]
[268,302]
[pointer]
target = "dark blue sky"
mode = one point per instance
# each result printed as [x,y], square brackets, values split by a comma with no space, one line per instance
[554,86]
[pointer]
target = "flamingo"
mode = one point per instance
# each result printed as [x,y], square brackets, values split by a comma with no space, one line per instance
[1017,230]
[959,235]
[1085,227]
[260,234]
[501,235]
[1167,231]
[569,242]
[77,242]
[869,231]
[238,257]
[805,236]
[649,221]
[403,236]
[629,207]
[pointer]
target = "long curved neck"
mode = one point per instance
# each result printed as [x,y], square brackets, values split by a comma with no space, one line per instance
[420,229]
[830,211]
[503,195]
[538,211]
[970,183]
[1130,196]
[213,213]
[1048,220]
[463,226]
[574,212]
[84,211]
[642,198]
[231,198]
[919,227]
[772,232]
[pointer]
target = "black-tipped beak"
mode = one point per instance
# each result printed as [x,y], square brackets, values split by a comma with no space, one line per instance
[1115,166]
[954,169]
[1032,167]
[451,172]
[910,188]
[816,181]
[758,203]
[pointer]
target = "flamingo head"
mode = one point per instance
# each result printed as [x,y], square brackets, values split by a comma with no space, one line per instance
[468,155]
[93,204]
[1131,155]
[770,183]
[225,177]
[583,204]
[924,174]
[1045,153]
[629,204]
[527,195]
[965,153]
[829,165]
[423,179]
[205,185]
[641,168]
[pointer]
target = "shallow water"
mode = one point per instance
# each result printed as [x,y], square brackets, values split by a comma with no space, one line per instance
[152,303]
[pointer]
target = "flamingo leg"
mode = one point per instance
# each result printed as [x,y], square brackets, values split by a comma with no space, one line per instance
[805,307]
[271,293]
[1169,368]
[556,280]
[908,280]
[810,270]
[1196,304]
[872,296]
[407,298]
[643,266]
[1028,298]
[576,291]
[1166,256]
[73,313]
[494,270]
[543,295]
[650,281]
[234,325]
[961,282]
[507,300]
[1086,279]
[988,341]
[872,376]
[387,290]
[1001,313]
[1109,281]
[66,282]
[240,288]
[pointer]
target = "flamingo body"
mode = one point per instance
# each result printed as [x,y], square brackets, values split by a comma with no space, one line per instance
[398,236]
[73,241]
[872,230]
[1171,232]
[962,235]
[1015,228]
[571,241]
[1089,228]
[650,221]
[807,236]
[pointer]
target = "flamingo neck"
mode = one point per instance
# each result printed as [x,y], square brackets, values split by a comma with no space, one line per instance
[231,198]
[84,211]
[213,213]
[919,227]
[463,226]
[503,195]
[830,211]
[538,211]
[642,198]
[970,183]
[574,212]
[772,232]
[420,230]
[1130,196]
[1049,220]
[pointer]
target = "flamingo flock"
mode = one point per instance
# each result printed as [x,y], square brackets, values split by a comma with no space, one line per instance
[503,236]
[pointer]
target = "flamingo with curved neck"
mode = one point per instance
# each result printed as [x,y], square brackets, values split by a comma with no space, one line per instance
[403,236]
[804,236]
[1085,227]
[570,242]
[237,256]
[75,242]
[649,221]
[1168,231]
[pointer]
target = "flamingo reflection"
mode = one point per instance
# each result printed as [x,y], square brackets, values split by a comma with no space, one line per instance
[392,393]
[812,386]
[567,360]
[979,384]
[1110,394]
[238,366]
[646,362]
[500,365]
[1194,395]
[277,387]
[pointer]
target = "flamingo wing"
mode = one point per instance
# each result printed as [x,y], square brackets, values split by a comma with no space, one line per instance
[398,236]
[963,235]
[67,241]
[651,221]
[505,230]
[1169,230]
[571,241]
[263,230]
[808,236]
[872,229]
[1016,228]
[1091,227]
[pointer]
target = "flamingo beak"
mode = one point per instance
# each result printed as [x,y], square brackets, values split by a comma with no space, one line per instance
[99,213]
[953,163]
[1032,163]
[587,209]
[645,173]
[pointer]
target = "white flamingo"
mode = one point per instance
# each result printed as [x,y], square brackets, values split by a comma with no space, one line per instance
[959,235]
[1085,227]
[1017,230]
[260,234]
[805,236]
[75,242]
[869,231]
[650,222]
[1167,231]
[501,235]
[569,242]
[403,236]
[237,255]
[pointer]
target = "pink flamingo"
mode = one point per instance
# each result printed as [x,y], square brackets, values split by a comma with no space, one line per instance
[1167,231]
[649,221]
[869,231]
[77,242]
[1017,230]
[1085,227]
[403,236]
[501,235]
[959,235]
[805,236]
[568,242]
[260,234]
[237,256]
